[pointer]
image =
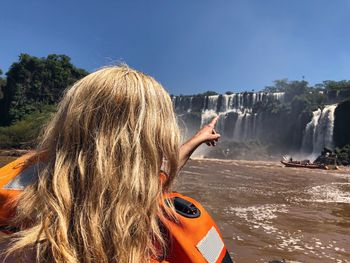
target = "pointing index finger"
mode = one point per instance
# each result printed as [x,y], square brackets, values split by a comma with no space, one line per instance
[214,121]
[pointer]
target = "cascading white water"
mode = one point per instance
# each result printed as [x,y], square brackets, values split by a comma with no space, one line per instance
[279,96]
[227,101]
[190,107]
[246,124]
[319,131]
[309,133]
[212,102]
[207,116]
[237,129]
[246,130]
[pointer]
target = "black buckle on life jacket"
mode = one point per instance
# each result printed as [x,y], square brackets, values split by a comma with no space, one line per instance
[227,258]
[185,208]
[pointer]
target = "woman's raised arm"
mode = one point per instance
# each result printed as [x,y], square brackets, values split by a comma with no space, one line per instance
[206,135]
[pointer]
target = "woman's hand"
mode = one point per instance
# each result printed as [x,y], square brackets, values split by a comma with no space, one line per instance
[206,135]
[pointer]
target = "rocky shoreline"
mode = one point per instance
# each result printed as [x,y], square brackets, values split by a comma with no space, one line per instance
[13,152]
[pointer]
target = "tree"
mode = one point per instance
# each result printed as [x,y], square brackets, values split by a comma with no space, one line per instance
[330,85]
[33,82]
[290,88]
[2,84]
[300,104]
[24,133]
[279,85]
[208,93]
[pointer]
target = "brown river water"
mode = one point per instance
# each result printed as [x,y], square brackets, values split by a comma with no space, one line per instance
[266,211]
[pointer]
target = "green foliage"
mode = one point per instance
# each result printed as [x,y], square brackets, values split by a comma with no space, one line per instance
[300,104]
[299,97]
[2,84]
[335,85]
[278,86]
[296,88]
[316,98]
[208,93]
[271,105]
[343,155]
[290,88]
[228,92]
[33,82]
[23,133]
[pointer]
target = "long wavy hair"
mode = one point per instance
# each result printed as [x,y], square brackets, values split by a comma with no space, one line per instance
[99,194]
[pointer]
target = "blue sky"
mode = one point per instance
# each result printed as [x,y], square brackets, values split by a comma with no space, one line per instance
[190,46]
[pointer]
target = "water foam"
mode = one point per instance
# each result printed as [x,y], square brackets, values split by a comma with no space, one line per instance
[330,193]
[259,217]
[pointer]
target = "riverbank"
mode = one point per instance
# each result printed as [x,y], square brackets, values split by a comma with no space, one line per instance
[9,155]
[12,152]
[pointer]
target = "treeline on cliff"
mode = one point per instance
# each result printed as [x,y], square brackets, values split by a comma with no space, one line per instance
[300,100]
[29,92]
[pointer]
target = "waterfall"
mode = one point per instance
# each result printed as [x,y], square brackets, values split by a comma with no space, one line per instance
[182,103]
[236,111]
[226,102]
[246,124]
[207,116]
[212,103]
[319,131]
[238,127]
[190,107]
[240,122]
[246,130]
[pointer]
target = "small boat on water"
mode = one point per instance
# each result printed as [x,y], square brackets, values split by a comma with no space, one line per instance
[326,161]
[299,164]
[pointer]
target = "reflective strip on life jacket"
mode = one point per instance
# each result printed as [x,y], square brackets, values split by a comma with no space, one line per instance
[28,176]
[14,177]
[195,239]
[211,245]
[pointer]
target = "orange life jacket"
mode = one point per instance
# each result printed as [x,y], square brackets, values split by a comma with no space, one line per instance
[194,238]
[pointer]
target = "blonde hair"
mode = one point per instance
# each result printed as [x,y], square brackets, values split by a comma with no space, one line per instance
[99,194]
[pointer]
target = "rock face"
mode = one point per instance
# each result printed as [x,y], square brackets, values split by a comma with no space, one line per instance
[342,124]
[243,118]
